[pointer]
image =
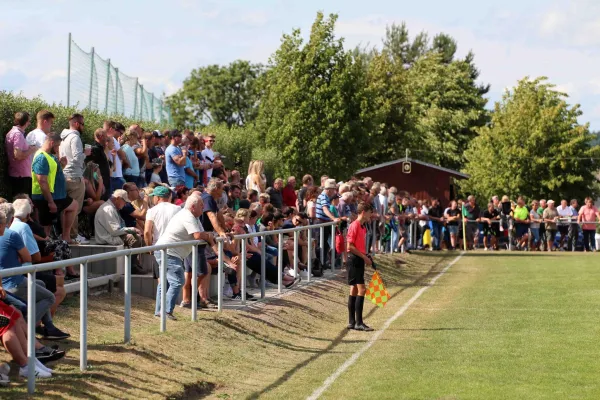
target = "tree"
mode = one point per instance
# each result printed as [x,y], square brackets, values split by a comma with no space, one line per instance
[533,147]
[315,109]
[448,106]
[218,95]
[398,46]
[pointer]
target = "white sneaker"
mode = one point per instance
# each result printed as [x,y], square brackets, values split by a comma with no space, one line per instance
[485,249]
[304,274]
[82,240]
[292,273]
[39,365]
[24,372]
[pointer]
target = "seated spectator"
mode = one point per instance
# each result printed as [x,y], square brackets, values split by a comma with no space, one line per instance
[13,253]
[275,195]
[234,197]
[181,195]
[133,216]
[252,196]
[110,226]
[54,284]
[157,168]
[100,157]
[235,178]
[49,188]
[264,199]
[288,193]
[94,188]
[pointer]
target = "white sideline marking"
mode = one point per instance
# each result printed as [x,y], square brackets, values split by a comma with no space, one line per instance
[329,381]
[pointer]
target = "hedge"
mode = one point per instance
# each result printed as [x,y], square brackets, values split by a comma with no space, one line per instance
[10,103]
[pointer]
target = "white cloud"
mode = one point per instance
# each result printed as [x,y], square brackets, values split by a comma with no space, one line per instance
[56,73]
[574,23]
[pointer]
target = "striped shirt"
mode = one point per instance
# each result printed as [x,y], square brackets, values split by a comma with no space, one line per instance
[323,201]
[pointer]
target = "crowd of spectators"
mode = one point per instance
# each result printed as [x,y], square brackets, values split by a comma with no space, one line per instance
[133,188]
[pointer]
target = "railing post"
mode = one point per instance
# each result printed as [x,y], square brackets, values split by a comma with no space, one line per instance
[127,290]
[83,298]
[322,244]
[309,263]
[31,321]
[163,290]
[220,277]
[280,263]
[296,234]
[195,283]
[263,268]
[243,283]
[333,246]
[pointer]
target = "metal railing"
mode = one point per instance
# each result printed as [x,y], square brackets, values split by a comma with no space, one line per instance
[30,271]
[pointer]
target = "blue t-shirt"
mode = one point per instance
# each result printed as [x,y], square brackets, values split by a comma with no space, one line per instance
[40,166]
[210,205]
[10,244]
[26,234]
[189,180]
[134,165]
[174,171]
[323,201]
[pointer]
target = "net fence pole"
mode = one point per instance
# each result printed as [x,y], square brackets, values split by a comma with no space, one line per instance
[69,73]
[117,91]
[135,100]
[107,86]
[152,108]
[91,79]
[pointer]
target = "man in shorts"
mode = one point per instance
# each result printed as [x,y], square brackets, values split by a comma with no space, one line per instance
[522,220]
[491,227]
[565,214]
[550,216]
[357,259]
[49,188]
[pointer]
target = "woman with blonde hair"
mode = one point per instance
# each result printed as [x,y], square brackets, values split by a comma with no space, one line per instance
[256,179]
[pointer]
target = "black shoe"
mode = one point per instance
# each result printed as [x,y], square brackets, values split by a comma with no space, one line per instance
[350,326]
[363,327]
[47,354]
[40,331]
[171,317]
[54,334]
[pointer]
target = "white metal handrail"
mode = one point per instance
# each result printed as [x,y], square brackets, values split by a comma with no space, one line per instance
[30,271]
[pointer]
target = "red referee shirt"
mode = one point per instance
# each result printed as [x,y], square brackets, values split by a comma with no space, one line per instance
[357,235]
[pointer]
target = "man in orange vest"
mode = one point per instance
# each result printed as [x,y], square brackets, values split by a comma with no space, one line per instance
[49,188]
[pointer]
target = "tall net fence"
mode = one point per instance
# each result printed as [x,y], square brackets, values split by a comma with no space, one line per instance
[96,84]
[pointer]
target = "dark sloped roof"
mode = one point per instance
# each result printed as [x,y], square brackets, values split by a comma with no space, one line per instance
[386,164]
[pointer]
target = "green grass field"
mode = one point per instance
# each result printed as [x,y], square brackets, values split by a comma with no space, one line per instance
[494,326]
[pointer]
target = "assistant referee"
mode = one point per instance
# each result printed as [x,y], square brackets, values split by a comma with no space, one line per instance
[357,258]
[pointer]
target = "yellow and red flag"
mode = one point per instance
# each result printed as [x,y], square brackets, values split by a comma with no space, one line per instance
[376,292]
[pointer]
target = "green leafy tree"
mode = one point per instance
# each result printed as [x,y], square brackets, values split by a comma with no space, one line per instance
[218,95]
[534,146]
[398,45]
[315,109]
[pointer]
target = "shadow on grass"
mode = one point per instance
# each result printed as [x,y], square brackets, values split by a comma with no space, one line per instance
[392,280]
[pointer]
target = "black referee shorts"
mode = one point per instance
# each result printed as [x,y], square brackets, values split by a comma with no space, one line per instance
[356,270]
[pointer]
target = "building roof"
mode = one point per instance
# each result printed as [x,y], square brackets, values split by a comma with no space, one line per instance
[387,164]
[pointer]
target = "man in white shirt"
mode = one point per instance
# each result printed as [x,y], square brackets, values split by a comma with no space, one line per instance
[37,137]
[208,153]
[184,226]
[158,217]
[565,214]
[114,130]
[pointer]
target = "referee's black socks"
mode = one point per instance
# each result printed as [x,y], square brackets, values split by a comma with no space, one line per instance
[351,311]
[360,302]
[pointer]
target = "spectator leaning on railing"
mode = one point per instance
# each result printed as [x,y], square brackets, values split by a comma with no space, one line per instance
[19,154]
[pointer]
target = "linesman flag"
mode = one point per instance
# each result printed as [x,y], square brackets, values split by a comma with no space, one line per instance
[376,292]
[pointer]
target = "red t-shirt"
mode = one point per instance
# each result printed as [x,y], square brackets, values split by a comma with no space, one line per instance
[357,235]
[289,196]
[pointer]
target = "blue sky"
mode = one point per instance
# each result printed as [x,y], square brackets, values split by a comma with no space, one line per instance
[161,41]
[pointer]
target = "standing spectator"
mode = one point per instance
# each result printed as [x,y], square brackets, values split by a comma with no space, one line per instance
[565,214]
[191,178]
[209,154]
[289,193]
[540,211]
[534,227]
[158,217]
[521,215]
[235,178]
[452,217]
[19,155]
[323,213]
[176,159]
[256,179]
[436,216]
[472,213]
[275,196]
[49,188]
[99,157]
[114,130]
[157,169]
[37,137]
[109,226]
[550,216]
[307,182]
[573,234]
[132,173]
[156,151]
[182,227]
[141,152]
[71,147]
[588,215]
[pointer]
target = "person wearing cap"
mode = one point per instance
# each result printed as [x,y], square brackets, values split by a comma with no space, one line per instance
[176,159]
[110,228]
[158,217]
[156,152]
[550,216]
[323,212]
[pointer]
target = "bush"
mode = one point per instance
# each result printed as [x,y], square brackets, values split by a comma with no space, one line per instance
[10,103]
